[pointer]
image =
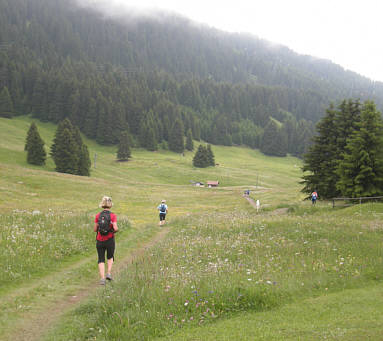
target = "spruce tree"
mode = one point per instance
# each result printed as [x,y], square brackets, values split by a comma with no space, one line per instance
[200,158]
[210,156]
[6,105]
[68,151]
[38,100]
[361,169]
[176,138]
[151,143]
[123,152]
[320,162]
[64,124]
[189,141]
[34,146]
[84,163]
[274,142]
[65,151]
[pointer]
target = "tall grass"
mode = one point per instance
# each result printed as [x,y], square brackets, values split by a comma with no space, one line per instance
[214,267]
[33,243]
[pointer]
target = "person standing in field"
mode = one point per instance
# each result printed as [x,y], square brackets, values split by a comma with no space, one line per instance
[105,225]
[163,210]
[314,197]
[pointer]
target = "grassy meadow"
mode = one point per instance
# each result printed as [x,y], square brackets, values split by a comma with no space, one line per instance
[223,271]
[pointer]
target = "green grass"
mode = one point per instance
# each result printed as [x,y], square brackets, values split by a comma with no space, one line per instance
[222,265]
[215,267]
[346,315]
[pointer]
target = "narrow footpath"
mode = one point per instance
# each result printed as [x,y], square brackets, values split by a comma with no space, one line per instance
[36,321]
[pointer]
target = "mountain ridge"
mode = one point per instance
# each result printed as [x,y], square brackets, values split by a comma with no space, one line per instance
[62,61]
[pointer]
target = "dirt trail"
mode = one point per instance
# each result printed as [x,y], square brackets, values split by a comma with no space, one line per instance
[278,211]
[35,325]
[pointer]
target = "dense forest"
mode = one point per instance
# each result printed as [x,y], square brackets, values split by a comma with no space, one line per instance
[151,77]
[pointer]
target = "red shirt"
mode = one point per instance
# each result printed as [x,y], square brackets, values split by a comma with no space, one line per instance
[113,219]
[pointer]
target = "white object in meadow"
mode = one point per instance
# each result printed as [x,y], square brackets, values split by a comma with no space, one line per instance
[258,205]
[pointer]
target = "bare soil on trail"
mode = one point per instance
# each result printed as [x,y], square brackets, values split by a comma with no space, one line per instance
[37,323]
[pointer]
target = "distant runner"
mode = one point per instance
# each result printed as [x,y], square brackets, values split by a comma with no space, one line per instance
[163,210]
[314,197]
[105,224]
[258,205]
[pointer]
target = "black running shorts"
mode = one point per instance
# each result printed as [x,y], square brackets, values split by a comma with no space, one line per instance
[108,246]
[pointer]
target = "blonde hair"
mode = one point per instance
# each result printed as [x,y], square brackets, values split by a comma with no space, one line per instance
[106,202]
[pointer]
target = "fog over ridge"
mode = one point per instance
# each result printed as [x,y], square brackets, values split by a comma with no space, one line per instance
[119,10]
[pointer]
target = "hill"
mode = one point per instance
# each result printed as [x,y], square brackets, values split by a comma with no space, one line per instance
[140,74]
[218,263]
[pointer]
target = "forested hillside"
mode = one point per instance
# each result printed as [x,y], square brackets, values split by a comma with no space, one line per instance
[141,75]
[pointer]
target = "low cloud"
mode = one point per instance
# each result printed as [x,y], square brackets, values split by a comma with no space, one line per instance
[121,9]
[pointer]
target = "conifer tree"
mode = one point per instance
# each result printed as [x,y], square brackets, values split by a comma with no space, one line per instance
[84,163]
[34,146]
[64,151]
[68,151]
[273,142]
[6,105]
[210,156]
[320,162]
[151,143]
[123,152]
[39,100]
[329,147]
[143,132]
[176,138]
[189,141]
[200,158]
[361,169]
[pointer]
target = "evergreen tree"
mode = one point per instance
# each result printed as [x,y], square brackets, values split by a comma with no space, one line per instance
[6,105]
[176,138]
[274,142]
[123,152]
[361,169]
[200,158]
[210,156]
[326,154]
[84,163]
[143,132]
[64,151]
[151,143]
[189,141]
[64,124]
[320,162]
[34,146]
[68,151]
[39,100]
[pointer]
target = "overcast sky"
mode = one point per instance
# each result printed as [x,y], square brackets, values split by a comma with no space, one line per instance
[347,32]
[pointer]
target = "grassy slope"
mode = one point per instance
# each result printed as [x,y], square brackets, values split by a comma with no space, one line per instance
[348,315]
[138,185]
